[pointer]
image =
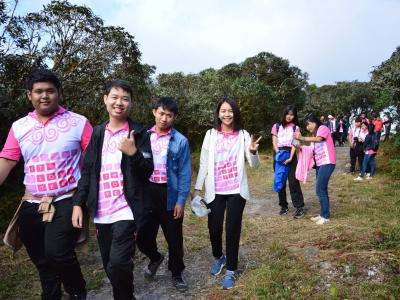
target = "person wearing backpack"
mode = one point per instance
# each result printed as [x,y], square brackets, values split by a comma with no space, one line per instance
[371,145]
[282,141]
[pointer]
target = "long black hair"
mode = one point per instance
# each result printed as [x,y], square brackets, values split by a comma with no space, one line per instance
[289,109]
[236,113]
[371,128]
[313,119]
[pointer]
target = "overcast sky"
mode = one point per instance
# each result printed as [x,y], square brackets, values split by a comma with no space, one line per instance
[332,40]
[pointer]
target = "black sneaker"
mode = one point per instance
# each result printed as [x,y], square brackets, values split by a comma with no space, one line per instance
[180,283]
[299,213]
[153,267]
[284,211]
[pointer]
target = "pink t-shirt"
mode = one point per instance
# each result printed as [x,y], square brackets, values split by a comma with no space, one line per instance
[51,151]
[159,148]
[112,205]
[226,174]
[341,126]
[365,120]
[324,152]
[285,134]
[358,133]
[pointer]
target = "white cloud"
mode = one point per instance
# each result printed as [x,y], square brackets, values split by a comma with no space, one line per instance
[331,40]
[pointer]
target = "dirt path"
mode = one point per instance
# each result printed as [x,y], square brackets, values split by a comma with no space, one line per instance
[198,263]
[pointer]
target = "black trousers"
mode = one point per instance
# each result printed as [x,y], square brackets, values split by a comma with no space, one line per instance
[172,229]
[353,158]
[117,248]
[51,247]
[294,187]
[234,205]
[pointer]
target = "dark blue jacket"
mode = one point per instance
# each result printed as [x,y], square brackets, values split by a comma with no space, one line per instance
[178,169]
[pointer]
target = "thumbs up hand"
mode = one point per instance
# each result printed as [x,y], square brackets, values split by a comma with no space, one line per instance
[127,145]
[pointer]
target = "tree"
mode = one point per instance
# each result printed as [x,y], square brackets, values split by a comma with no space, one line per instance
[342,98]
[386,81]
[261,85]
[73,42]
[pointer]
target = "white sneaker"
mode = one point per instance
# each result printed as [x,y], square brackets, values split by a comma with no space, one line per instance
[359,178]
[322,221]
[315,219]
[370,177]
[367,175]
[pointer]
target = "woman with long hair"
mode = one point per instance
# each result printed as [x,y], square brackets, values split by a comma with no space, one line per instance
[325,161]
[222,168]
[282,141]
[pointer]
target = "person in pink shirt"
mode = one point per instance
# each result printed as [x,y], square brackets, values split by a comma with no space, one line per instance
[51,141]
[371,145]
[325,161]
[282,140]
[114,186]
[387,122]
[223,170]
[356,138]
[364,118]
[169,188]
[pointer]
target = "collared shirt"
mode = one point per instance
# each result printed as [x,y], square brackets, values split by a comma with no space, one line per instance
[112,205]
[159,148]
[359,133]
[324,152]
[51,150]
[285,134]
[226,176]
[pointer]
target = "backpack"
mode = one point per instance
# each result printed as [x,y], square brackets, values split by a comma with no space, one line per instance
[277,125]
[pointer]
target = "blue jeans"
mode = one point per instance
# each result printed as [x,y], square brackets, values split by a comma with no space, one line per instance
[324,172]
[369,161]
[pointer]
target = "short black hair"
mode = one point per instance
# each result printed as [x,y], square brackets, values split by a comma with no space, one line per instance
[119,84]
[286,110]
[167,103]
[236,113]
[42,75]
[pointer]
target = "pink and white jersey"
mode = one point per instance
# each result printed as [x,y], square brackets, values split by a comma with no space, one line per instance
[332,125]
[341,129]
[159,147]
[285,134]
[112,205]
[324,152]
[359,133]
[51,151]
[226,174]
